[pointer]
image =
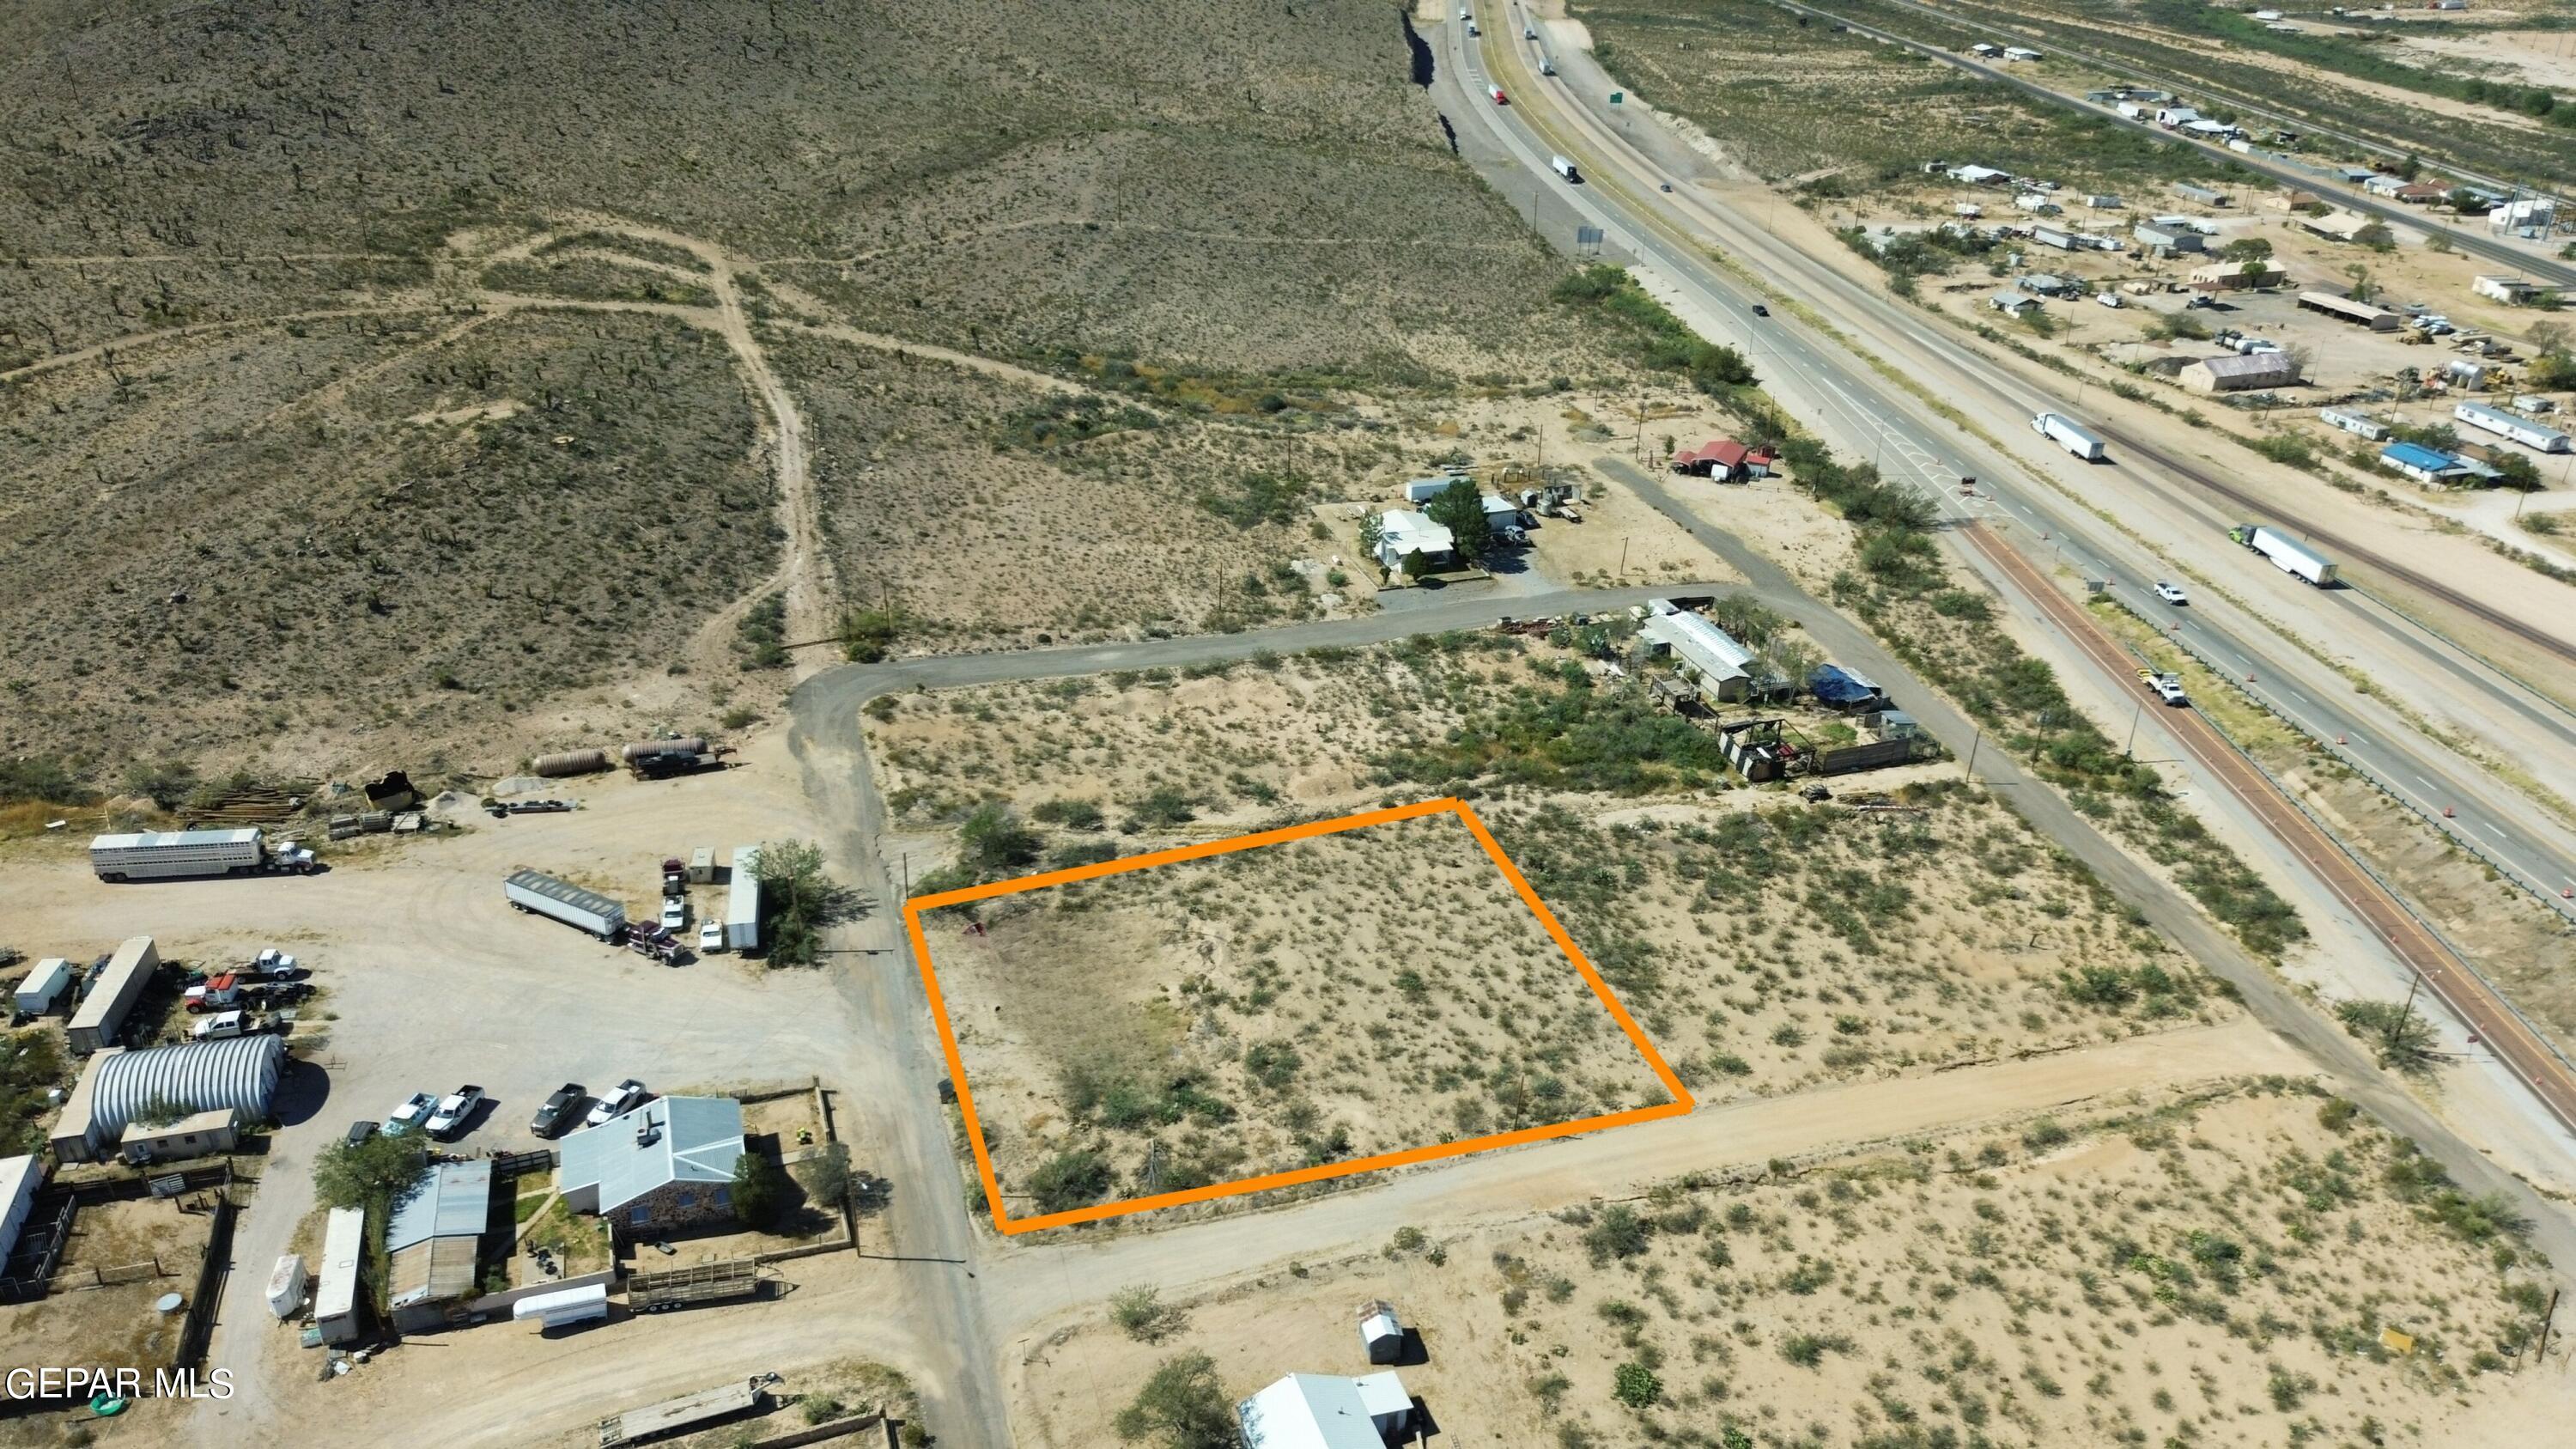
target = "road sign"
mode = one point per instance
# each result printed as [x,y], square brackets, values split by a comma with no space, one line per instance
[1618,96]
[1587,240]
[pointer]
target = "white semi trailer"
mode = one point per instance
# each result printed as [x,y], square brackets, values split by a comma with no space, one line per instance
[742,901]
[1564,168]
[2068,434]
[2286,553]
[563,901]
[177,854]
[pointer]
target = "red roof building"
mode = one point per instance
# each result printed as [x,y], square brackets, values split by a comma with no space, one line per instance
[1723,459]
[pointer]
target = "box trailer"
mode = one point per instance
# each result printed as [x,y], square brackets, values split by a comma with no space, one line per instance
[1564,168]
[112,993]
[2067,434]
[2504,424]
[2286,553]
[43,989]
[563,901]
[178,854]
[562,1308]
[335,1291]
[742,903]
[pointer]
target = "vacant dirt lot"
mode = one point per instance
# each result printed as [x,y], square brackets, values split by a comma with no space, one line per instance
[2224,1269]
[1279,1007]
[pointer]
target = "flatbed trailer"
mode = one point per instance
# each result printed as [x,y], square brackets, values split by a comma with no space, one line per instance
[703,1283]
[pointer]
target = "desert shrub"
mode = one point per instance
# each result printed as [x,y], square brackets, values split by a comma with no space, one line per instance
[1181,1407]
[1618,1233]
[1070,1180]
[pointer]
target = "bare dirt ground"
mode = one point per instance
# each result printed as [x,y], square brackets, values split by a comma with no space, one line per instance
[145,1248]
[1352,994]
[402,921]
[2062,1279]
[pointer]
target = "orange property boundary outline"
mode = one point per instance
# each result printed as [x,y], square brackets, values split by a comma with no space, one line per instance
[1681,1102]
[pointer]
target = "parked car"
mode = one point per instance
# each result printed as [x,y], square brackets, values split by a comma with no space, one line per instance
[710,937]
[675,913]
[2171,593]
[455,1110]
[620,1100]
[555,1113]
[359,1131]
[223,1024]
[415,1110]
[275,965]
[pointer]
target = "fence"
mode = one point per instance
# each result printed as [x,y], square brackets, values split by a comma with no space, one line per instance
[199,1327]
[29,1286]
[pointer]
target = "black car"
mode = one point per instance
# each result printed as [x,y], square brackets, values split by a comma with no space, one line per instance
[1761,311]
[360,1132]
[557,1110]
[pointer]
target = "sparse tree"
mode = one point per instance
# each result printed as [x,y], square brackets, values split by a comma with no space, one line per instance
[1181,1407]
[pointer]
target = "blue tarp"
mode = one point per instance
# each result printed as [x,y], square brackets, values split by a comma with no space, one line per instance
[1837,686]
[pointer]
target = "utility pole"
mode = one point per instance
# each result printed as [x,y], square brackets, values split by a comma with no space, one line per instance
[1972,752]
[2128,751]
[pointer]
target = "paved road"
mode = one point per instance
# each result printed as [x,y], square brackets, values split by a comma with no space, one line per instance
[2467,239]
[2488,1014]
[1871,417]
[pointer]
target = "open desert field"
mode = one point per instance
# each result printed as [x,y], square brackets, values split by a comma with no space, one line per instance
[429,398]
[2241,1264]
[1277,1008]
[1764,944]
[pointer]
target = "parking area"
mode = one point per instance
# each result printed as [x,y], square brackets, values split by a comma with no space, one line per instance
[432,981]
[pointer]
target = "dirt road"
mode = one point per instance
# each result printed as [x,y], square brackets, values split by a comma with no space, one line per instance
[1026,1286]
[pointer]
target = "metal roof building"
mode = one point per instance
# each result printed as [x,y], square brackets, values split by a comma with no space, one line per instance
[1716,662]
[1326,1411]
[2231,372]
[2424,465]
[670,1140]
[237,1073]
[2377,319]
[19,1178]
[433,1235]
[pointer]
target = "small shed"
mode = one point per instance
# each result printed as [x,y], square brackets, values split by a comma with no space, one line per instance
[43,989]
[702,865]
[1838,688]
[1381,1332]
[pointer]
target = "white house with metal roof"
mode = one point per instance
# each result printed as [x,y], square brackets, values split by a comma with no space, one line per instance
[1707,654]
[1403,532]
[667,1164]
[1326,1411]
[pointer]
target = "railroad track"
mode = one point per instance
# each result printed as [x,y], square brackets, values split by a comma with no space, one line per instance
[2495,1022]
[2258,509]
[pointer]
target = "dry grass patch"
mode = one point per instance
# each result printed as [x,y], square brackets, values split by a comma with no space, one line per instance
[1279,1007]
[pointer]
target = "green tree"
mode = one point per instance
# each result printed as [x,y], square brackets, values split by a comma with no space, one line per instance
[2363,288]
[1143,1314]
[1460,508]
[759,1190]
[798,900]
[2395,1030]
[368,1174]
[1372,532]
[1181,1407]
[827,1178]
[2247,249]
[866,634]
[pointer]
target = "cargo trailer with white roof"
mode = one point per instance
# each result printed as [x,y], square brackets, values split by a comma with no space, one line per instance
[563,1307]
[335,1292]
[742,903]
[176,854]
